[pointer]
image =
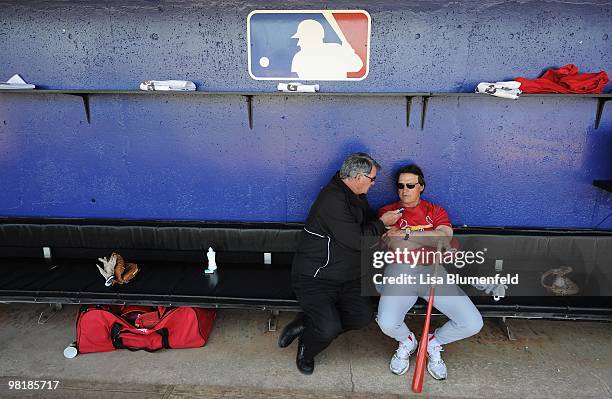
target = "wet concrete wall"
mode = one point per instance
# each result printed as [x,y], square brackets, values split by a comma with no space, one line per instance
[489,161]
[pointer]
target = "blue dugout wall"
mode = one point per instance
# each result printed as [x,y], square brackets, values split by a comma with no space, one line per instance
[489,161]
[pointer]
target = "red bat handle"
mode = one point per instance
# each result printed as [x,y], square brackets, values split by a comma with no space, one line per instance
[419,370]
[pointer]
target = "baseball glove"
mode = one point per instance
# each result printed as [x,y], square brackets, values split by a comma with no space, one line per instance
[124,272]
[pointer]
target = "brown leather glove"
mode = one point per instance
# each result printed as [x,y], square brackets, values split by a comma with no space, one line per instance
[124,272]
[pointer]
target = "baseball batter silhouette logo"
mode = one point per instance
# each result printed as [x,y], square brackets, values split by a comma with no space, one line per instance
[308,45]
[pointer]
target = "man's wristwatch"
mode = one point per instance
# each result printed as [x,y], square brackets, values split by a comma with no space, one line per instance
[407,236]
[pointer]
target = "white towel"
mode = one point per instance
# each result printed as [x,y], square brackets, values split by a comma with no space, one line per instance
[14,83]
[297,87]
[508,89]
[167,85]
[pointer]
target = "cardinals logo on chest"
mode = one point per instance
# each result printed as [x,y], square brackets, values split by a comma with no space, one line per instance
[405,224]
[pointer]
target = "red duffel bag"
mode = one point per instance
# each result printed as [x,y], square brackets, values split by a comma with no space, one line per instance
[105,328]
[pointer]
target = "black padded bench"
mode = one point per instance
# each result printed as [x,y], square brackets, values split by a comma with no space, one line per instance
[172,256]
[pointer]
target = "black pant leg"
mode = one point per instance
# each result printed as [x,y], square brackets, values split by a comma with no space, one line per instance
[356,311]
[318,298]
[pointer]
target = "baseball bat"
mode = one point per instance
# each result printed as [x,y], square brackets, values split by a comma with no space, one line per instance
[332,22]
[419,369]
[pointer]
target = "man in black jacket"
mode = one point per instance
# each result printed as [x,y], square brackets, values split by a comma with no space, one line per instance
[326,269]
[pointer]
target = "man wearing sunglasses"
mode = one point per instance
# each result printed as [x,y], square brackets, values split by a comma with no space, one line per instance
[326,272]
[421,225]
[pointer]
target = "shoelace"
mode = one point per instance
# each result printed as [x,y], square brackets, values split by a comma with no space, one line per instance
[403,351]
[434,354]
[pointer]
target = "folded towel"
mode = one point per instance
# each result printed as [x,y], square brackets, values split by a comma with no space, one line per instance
[509,89]
[15,83]
[297,87]
[167,85]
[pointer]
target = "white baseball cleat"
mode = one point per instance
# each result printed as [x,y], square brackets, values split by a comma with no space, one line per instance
[400,362]
[435,364]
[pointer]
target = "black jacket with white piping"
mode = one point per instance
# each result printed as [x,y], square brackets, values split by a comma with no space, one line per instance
[330,247]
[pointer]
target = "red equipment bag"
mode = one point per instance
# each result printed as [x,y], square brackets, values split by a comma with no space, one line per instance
[142,316]
[106,328]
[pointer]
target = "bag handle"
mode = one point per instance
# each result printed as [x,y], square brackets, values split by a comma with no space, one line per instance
[116,332]
[164,334]
[162,310]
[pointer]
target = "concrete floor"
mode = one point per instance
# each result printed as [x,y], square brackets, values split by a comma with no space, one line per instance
[560,359]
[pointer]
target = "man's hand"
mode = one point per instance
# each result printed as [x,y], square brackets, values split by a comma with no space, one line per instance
[390,218]
[394,238]
[395,232]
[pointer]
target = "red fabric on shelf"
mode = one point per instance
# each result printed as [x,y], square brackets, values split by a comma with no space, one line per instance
[565,80]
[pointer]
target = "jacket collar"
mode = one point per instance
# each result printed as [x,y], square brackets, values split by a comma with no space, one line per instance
[336,180]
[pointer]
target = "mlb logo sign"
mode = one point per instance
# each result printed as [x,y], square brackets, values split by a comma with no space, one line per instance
[308,45]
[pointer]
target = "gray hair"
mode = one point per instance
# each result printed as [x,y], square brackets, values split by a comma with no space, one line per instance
[357,164]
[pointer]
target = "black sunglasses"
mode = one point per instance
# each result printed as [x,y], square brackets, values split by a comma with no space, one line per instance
[400,186]
[371,178]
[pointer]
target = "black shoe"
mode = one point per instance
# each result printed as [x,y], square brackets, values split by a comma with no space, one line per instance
[306,366]
[291,331]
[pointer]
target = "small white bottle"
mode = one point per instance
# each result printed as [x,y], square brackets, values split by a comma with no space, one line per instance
[212,264]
